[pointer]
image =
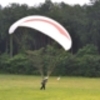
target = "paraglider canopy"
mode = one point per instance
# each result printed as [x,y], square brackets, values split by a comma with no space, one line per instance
[47,26]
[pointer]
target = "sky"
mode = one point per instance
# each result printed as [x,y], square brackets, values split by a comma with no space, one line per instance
[4,3]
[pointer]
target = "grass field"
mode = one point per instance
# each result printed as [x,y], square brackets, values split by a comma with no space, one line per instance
[22,87]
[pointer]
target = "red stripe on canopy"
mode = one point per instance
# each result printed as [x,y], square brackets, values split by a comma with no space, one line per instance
[50,22]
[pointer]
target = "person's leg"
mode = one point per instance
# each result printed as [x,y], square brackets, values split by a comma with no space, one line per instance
[44,86]
[41,87]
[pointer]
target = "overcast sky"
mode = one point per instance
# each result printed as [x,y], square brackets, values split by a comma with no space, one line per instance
[36,2]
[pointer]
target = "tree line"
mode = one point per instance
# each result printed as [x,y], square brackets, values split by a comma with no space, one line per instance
[28,51]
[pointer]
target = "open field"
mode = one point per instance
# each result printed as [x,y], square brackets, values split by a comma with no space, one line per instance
[22,87]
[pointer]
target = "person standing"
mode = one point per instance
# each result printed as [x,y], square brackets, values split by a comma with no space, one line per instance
[43,83]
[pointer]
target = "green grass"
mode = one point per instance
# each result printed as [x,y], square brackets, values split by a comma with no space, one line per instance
[22,87]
